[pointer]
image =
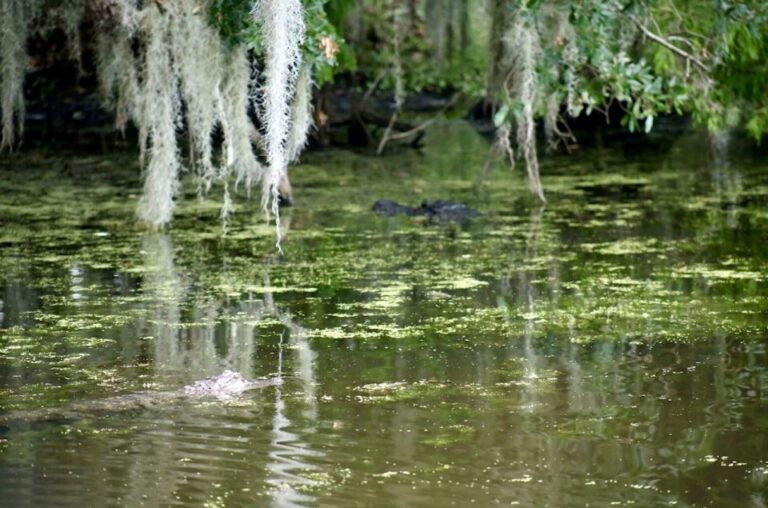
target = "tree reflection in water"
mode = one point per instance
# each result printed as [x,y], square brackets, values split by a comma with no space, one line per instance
[195,350]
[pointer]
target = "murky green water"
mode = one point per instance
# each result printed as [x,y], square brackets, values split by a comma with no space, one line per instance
[610,348]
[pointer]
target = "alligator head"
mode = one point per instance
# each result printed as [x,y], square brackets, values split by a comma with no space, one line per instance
[227,385]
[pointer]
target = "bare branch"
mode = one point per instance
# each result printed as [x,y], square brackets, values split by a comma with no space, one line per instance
[425,124]
[385,138]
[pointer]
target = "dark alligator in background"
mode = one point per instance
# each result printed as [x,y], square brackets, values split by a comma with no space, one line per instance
[435,211]
[227,385]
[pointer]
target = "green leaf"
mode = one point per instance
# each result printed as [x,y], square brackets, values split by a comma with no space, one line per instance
[648,123]
[501,116]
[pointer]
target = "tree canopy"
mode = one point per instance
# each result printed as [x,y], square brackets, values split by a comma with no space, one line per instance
[203,65]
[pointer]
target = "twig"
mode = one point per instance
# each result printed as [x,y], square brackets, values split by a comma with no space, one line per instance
[567,135]
[388,136]
[385,137]
[665,43]
[427,123]
[363,101]
[371,89]
[681,39]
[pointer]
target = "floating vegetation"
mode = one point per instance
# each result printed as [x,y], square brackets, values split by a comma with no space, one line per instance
[400,391]
[515,345]
[715,274]
[627,247]
[451,434]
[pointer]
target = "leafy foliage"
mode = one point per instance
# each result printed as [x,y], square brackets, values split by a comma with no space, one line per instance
[322,43]
[702,57]
[232,18]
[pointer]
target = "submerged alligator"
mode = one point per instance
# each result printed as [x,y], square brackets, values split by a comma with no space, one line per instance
[437,211]
[227,385]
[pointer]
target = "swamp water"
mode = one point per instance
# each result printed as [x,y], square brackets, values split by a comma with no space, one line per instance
[608,349]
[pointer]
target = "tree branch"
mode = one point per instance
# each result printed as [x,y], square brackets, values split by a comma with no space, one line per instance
[665,43]
[427,123]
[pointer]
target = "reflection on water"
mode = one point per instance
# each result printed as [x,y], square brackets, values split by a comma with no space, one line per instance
[286,468]
[192,349]
[607,349]
[195,352]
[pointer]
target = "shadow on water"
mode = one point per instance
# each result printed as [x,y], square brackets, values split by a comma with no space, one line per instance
[607,349]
